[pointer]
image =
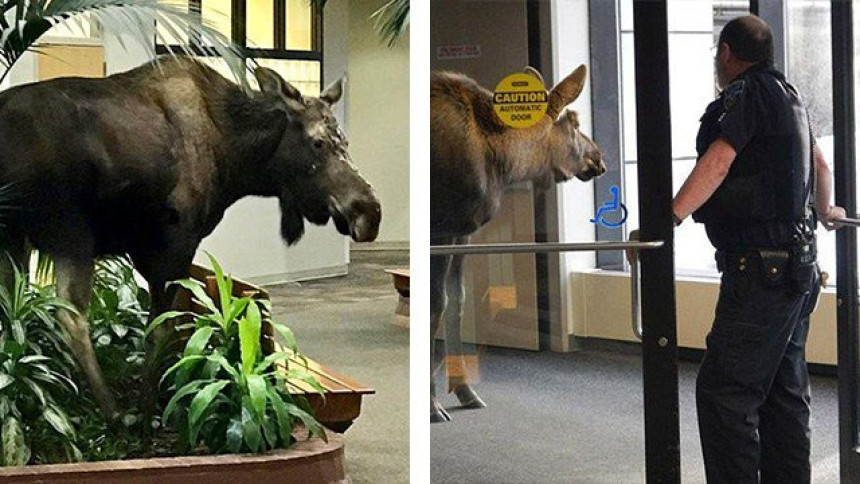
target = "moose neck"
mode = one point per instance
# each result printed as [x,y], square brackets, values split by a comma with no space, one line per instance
[525,154]
[254,131]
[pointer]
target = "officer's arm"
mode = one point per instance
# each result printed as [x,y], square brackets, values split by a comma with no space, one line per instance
[706,177]
[823,189]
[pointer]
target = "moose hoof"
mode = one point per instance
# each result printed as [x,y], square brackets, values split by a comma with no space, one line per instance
[438,414]
[468,398]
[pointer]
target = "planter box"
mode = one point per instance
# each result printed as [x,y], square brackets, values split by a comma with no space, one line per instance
[306,462]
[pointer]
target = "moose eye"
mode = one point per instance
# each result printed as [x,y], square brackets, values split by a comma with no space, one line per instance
[318,144]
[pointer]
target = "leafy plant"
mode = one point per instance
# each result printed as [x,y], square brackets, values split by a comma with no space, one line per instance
[118,318]
[23,22]
[35,366]
[227,395]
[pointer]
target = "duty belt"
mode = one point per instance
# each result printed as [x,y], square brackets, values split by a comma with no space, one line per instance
[771,263]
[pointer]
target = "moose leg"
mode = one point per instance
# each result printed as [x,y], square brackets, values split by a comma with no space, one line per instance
[438,271]
[158,269]
[75,284]
[457,369]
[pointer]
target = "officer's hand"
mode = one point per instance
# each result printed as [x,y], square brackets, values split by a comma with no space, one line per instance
[830,220]
[632,255]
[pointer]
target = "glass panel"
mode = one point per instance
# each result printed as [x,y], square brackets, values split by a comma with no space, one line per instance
[305,75]
[692,30]
[217,14]
[261,24]
[299,22]
[809,69]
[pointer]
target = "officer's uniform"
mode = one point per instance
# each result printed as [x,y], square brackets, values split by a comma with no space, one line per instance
[752,391]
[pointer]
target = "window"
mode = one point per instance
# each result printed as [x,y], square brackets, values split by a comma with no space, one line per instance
[284,35]
[693,29]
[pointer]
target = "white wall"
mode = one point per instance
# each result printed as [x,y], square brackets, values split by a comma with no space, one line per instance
[378,113]
[575,199]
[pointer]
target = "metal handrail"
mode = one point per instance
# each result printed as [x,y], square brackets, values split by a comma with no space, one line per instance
[539,248]
[636,313]
[850,222]
[518,248]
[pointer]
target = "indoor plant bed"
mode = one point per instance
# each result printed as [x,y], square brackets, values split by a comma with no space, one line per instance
[307,460]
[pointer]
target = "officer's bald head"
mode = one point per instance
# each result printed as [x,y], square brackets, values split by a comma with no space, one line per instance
[749,38]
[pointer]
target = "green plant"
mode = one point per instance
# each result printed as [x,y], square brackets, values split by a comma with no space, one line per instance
[35,366]
[23,22]
[118,319]
[226,394]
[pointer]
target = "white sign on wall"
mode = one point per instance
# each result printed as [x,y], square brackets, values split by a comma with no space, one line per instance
[463,51]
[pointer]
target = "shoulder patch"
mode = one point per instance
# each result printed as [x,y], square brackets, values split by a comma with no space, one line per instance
[732,93]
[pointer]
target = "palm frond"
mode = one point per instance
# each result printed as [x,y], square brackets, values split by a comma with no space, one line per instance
[23,22]
[392,19]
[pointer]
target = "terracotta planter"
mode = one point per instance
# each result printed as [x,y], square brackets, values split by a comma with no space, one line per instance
[306,462]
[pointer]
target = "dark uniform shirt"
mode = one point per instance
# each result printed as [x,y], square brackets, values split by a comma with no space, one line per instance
[764,200]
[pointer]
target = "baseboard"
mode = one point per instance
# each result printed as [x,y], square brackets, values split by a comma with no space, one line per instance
[691,355]
[379,246]
[298,276]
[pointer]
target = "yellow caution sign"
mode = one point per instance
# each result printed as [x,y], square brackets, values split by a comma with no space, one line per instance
[520,100]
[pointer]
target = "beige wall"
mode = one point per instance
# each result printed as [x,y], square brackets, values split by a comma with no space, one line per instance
[601,302]
[378,115]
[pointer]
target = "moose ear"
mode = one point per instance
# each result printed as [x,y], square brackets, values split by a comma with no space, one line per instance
[269,80]
[333,92]
[566,91]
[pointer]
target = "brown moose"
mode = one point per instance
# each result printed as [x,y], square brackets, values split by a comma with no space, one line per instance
[473,158]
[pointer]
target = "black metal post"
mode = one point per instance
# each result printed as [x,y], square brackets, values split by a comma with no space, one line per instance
[846,239]
[533,30]
[754,7]
[659,342]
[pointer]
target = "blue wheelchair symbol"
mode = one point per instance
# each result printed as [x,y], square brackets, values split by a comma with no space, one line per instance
[607,208]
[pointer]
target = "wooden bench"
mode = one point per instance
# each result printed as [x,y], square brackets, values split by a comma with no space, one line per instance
[343,395]
[401,285]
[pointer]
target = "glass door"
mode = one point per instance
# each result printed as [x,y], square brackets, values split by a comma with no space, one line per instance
[844,121]
[500,306]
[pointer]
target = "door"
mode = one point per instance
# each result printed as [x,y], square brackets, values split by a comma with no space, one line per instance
[846,239]
[500,307]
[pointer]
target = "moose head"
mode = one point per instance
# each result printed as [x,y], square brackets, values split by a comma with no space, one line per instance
[574,154]
[313,168]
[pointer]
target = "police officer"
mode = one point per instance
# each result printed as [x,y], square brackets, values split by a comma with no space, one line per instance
[759,186]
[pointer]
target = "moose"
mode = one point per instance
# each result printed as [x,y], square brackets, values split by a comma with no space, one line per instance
[146,162]
[473,158]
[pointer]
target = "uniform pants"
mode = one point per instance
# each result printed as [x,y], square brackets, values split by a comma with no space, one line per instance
[752,391]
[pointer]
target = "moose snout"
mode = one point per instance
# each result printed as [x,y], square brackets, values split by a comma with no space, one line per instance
[594,167]
[359,219]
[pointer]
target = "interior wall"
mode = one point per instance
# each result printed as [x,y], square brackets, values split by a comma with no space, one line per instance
[601,302]
[575,199]
[378,114]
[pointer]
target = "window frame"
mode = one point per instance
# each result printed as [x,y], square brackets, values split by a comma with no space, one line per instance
[239,36]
